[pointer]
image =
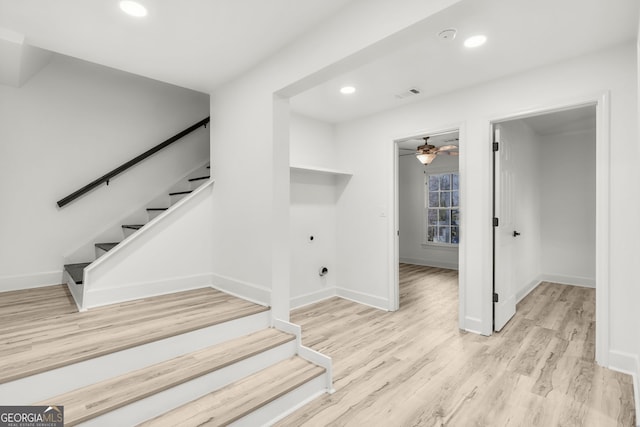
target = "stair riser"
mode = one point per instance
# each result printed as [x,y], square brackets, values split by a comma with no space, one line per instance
[100,252]
[128,232]
[284,405]
[149,407]
[52,383]
[177,197]
[77,291]
[152,214]
[195,184]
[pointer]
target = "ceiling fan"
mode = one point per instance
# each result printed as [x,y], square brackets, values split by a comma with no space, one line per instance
[426,153]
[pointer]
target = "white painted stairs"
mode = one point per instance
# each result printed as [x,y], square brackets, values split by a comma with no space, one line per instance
[73,273]
[251,370]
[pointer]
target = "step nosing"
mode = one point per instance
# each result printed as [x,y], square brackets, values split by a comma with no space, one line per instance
[199,178]
[162,380]
[250,311]
[299,372]
[179,192]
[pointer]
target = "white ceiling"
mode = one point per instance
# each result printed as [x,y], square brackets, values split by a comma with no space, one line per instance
[573,120]
[196,44]
[200,44]
[522,34]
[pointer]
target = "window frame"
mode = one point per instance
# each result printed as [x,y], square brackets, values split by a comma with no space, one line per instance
[425,213]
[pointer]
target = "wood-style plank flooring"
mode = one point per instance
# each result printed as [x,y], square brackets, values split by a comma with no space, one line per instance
[415,367]
[40,329]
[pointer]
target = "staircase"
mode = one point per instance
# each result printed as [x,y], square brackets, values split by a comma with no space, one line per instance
[182,359]
[74,272]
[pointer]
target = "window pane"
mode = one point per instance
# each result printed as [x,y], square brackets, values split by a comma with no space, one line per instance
[444,217]
[445,199]
[445,182]
[454,181]
[433,183]
[454,198]
[455,217]
[443,234]
[431,231]
[434,200]
[455,238]
[433,217]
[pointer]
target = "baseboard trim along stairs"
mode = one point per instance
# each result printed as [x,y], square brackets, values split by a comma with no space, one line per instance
[243,369]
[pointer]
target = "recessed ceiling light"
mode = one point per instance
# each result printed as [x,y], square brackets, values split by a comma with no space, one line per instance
[133,8]
[475,41]
[347,90]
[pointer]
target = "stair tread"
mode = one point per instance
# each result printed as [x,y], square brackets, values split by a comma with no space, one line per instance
[58,340]
[76,271]
[133,226]
[157,209]
[89,402]
[239,399]
[199,178]
[180,192]
[106,246]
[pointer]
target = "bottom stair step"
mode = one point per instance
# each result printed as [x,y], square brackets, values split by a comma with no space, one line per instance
[241,398]
[76,271]
[98,399]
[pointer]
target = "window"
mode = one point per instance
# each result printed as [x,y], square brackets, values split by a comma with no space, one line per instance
[442,209]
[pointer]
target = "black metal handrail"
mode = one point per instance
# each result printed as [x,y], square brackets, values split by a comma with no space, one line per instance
[107,177]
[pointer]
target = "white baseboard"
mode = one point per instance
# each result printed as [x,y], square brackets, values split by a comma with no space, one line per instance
[363,298]
[248,291]
[131,291]
[586,282]
[628,363]
[429,263]
[312,297]
[520,295]
[29,281]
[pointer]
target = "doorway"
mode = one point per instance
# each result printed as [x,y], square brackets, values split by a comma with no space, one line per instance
[427,202]
[544,181]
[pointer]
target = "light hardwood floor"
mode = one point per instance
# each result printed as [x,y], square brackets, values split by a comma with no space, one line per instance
[40,329]
[415,367]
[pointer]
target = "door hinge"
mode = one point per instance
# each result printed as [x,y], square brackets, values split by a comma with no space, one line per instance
[495,297]
[496,146]
[496,222]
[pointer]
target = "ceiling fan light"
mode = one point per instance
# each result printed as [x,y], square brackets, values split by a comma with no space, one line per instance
[425,158]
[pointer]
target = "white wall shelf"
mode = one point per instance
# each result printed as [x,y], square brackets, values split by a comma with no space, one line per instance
[313,169]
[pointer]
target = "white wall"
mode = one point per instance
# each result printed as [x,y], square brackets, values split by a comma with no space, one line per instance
[526,157]
[251,201]
[313,211]
[365,242]
[568,204]
[411,188]
[68,125]
[312,143]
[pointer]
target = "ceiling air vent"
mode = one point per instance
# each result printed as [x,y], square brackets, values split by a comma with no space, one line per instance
[408,93]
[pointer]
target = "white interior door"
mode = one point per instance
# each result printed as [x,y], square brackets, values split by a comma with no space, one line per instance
[504,232]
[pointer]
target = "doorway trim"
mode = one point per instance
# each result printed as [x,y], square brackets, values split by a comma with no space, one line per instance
[394,258]
[602,103]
